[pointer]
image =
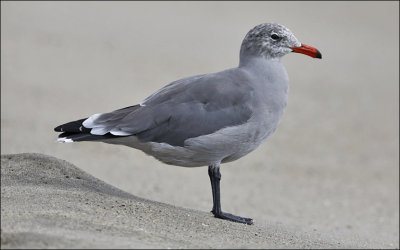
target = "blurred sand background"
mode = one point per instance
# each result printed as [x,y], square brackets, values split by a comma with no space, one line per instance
[333,163]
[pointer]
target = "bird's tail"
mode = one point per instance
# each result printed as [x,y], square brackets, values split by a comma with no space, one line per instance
[75,131]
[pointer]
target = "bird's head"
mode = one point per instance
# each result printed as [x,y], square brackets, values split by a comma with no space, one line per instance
[272,40]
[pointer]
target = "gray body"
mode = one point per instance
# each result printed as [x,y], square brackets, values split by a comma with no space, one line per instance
[262,87]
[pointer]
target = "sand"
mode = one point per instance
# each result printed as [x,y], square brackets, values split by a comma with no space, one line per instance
[50,203]
[332,164]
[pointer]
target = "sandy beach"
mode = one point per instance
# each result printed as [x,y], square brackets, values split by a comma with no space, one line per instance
[327,178]
[49,203]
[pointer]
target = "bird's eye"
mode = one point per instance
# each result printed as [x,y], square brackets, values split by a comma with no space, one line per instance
[275,37]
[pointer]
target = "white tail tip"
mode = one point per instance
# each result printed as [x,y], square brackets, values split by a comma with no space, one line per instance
[64,139]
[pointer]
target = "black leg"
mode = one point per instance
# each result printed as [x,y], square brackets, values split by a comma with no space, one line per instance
[210,173]
[215,177]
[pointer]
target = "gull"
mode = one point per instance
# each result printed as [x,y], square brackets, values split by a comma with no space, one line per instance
[208,119]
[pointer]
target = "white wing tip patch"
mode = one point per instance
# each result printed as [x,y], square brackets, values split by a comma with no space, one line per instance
[89,122]
[99,130]
[64,139]
[120,133]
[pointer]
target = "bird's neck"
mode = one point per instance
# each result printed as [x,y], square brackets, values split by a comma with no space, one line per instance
[266,72]
[257,62]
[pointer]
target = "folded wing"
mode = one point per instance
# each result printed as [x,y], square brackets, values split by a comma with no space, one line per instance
[184,109]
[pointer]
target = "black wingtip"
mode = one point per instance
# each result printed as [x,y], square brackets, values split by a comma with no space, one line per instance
[58,129]
[74,126]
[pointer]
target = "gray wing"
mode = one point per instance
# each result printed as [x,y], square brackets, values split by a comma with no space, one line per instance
[184,109]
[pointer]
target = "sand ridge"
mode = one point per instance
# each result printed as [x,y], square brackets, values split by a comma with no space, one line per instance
[50,203]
